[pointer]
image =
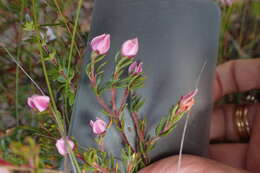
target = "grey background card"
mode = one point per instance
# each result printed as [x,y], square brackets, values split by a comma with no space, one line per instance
[176,37]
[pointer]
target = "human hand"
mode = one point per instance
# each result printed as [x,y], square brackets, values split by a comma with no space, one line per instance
[231,77]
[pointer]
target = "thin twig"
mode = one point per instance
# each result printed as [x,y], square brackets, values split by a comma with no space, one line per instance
[140,134]
[113,96]
[66,24]
[135,119]
[123,135]
[23,70]
[100,99]
[67,83]
[99,168]
[126,93]
[19,50]
[113,99]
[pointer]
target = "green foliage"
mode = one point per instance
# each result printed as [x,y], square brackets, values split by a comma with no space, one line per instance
[135,103]
[50,56]
[29,152]
[24,20]
[137,81]
[255,7]
[29,26]
[130,159]
[96,160]
[168,123]
[160,126]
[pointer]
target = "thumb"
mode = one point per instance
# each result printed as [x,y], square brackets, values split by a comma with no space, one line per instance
[190,164]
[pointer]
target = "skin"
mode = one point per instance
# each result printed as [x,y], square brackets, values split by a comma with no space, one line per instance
[231,77]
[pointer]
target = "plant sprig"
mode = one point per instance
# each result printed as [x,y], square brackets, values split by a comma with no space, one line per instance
[128,75]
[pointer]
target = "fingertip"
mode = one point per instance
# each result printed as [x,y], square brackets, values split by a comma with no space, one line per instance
[189,164]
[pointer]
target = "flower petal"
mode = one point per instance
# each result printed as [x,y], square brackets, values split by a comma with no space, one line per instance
[130,48]
[101,44]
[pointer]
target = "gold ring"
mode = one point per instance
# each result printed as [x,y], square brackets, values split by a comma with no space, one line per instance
[242,123]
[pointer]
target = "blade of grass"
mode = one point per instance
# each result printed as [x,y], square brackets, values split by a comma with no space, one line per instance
[21,68]
[19,50]
[187,119]
[66,23]
[226,17]
[71,52]
[71,154]
[53,104]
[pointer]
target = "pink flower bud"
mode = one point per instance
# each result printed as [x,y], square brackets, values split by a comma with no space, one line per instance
[101,44]
[132,67]
[135,68]
[38,102]
[186,102]
[99,126]
[130,48]
[61,146]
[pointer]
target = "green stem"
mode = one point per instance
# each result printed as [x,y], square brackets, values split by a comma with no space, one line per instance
[74,161]
[66,23]
[243,21]
[225,26]
[20,33]
[70,54]
[53,104]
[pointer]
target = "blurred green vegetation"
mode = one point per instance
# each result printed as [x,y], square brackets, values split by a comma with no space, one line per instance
[240,39]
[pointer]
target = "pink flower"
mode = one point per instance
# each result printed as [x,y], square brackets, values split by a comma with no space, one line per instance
[61,146]
[99,126]
[186,102]
[130,48]
[5,163]
[101,44]
[38,102]
[50,34]
[135,68]
[4,170]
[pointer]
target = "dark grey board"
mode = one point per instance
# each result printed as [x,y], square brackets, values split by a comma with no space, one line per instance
[176,38]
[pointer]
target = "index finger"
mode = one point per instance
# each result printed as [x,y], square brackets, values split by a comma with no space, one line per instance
[237,76]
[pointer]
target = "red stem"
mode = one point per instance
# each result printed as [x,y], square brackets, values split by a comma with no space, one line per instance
[123,135]
[104,105]
[99,168]
[107,109]
[100,99]
[101,144]
[113,93]
[134,116]
[126,93]
[140,134]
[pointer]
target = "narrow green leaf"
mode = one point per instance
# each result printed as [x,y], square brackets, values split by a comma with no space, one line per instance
[100,67]
[99,58]
[168,131]
[160,126]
